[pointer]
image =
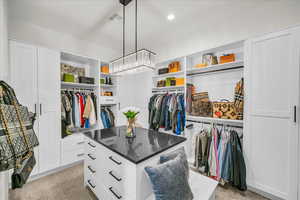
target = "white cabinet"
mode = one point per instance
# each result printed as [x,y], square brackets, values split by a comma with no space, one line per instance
[34,74]
[49,108]
[271,124]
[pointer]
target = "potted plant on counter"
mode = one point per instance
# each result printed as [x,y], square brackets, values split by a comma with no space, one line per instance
[131,115]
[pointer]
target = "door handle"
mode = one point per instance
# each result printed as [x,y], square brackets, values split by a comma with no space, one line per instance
[295,114]
[35,108]
[40,109]
[114,193]
[91,157]
[91,145]
[114,176]
[93,171]
[115,161]
[93,186]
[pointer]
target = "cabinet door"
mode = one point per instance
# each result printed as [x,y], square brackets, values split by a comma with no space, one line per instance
[23,78]
[125,95]
[271,133]
[49,108]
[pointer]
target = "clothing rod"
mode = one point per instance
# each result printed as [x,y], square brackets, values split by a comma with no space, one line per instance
[219,124]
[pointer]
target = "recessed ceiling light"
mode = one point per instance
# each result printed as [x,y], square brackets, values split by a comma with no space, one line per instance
[171,17]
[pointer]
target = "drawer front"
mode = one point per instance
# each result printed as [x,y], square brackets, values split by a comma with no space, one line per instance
[72,142]
[113,179]
[69,157]
[107,100]
[92,184]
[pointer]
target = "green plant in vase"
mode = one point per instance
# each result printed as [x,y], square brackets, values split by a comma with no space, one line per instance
[131,114]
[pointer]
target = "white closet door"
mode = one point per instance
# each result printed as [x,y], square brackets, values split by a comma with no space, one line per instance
[271,135]
[125,95]
[49,104]
[23,78]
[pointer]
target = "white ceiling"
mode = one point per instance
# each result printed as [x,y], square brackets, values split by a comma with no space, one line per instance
[89,19]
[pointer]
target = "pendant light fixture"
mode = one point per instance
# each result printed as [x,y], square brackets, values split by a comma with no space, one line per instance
[140,60]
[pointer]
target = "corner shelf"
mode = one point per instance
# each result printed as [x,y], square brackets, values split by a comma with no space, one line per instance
[79,85]
[216,68]
[108,75]
[169,74]
[210,119]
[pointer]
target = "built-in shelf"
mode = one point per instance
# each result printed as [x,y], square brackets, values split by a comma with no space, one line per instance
[216,68]
[169,74]
[109,75]
[107,86]
[168,88]
[77,85]
[218,120]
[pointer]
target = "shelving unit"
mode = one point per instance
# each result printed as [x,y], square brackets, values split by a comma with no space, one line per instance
[216,68]
[109,101]
[78,85]
[180,73]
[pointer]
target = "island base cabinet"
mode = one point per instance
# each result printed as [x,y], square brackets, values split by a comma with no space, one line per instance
[112,177]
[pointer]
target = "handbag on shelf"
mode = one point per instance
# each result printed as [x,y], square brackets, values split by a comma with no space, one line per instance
[17,136]
[224,109]
[202,108]
[239,99]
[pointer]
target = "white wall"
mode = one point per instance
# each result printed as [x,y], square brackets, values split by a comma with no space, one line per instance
[3,76]
[36,35]
[238,25]
[3,40]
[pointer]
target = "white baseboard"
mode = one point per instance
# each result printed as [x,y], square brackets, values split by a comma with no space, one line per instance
[263,193]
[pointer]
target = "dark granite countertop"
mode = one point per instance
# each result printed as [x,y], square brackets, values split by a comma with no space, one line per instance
[146,144]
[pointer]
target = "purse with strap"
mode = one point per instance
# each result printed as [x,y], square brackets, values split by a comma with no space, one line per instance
[17,137]
[224,109]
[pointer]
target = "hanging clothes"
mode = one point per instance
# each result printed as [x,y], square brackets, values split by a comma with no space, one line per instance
[218,153]
[167,111]
[78,111]
[107,117]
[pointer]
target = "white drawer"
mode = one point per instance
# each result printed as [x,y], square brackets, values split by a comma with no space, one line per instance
[92,184]
[108,100]
[72,142]
[113,179]
[69,157]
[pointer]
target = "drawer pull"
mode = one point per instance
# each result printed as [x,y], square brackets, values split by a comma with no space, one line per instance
[91,157]
[114,193]
[112,159]
[91,145]
[93,186]
[81,154]
[80,143]
[118,179]
[93,171]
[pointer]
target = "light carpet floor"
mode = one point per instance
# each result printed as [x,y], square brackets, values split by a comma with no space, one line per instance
[68,185]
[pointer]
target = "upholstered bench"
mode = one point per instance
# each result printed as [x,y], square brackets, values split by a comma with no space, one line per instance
[203,188]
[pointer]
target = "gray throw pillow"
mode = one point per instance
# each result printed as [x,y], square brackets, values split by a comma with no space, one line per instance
[170,156]
[169,180]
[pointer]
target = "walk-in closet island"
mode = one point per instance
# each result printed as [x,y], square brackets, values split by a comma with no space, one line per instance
[115,165]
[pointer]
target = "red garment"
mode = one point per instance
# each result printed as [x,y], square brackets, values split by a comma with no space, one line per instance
[81,110]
